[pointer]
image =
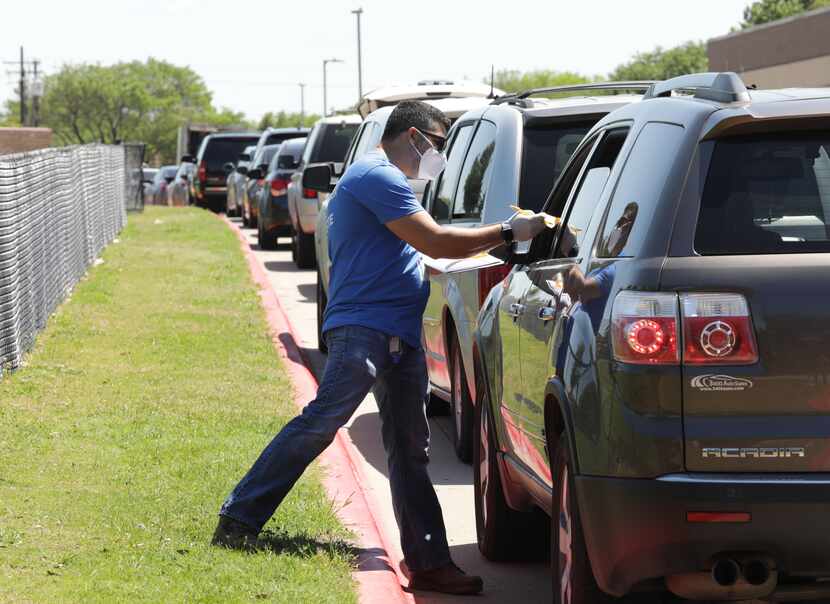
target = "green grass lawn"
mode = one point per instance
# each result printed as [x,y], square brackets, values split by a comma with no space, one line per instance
[147,397]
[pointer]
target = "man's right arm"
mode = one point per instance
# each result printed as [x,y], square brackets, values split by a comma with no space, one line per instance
[437,241]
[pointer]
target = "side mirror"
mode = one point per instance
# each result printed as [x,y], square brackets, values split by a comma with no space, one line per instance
[255,174]
[187,159]
[244,157]
[263,168]
[317,177]
[228,168]
[242,170]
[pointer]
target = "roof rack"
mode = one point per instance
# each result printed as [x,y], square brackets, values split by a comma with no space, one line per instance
[520,98]
[724,87]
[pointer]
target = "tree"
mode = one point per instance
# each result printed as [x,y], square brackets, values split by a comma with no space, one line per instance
[764,11]
[282,119]
[660,64]
[513,80]
[128,101]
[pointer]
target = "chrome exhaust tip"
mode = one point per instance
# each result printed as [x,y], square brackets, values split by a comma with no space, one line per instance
[756,572]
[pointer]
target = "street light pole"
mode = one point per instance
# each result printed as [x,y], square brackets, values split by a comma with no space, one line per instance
[302,104]
[357,13]
[325,84]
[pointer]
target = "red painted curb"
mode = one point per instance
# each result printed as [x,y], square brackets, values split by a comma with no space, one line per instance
[378,576]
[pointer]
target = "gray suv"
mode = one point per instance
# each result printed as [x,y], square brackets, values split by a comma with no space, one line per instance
[654,375]
[500,155]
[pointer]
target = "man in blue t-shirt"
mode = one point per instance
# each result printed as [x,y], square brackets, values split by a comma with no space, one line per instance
[372,327]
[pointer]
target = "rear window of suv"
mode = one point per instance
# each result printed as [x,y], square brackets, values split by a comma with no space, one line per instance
[220,151]
[329,143]
[766,194]
[545,153]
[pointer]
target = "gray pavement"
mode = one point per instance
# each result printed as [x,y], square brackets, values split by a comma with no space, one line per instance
[528,583]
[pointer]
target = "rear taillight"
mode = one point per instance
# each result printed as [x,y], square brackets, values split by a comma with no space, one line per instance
[279,187]
[309,193]
[202,172]
[644,328]
[488,278]
[717,330]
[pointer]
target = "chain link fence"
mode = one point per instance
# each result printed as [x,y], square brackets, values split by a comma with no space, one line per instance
[58,209]
[133,161]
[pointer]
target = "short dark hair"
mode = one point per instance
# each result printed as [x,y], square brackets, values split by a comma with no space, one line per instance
[413,114]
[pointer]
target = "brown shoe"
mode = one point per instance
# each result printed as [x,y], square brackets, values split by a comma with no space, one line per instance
[448,579]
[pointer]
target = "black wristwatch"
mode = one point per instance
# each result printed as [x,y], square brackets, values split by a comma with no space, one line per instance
[507,232]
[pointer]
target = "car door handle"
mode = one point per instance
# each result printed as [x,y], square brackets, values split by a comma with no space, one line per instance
[516,310]
[547,313]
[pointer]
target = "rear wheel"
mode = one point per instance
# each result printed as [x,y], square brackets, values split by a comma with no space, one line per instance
[304,255]
[322,301]
[462,406]
[503,533]
[573,579]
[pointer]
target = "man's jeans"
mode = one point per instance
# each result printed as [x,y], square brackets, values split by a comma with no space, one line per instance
[359,361]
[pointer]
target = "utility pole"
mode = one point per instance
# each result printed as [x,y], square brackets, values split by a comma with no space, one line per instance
[37,90]
[357,13]
[22,89]
[325,92]
[302,105]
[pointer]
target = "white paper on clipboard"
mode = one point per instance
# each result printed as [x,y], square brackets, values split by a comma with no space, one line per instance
[448,266]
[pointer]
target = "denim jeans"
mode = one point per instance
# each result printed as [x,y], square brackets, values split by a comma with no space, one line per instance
[359,361]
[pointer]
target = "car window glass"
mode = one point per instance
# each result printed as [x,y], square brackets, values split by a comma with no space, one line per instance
[220,151]
[545,151]
[449,177]
[767,194]
[310,142]
[358,137]
[638,189]
[333,142]
[475,175]
[368,140]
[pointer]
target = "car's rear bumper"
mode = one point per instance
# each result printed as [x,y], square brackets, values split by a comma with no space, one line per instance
[274,214]
[637,529]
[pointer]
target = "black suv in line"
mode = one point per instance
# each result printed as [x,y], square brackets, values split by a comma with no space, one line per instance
[654,374]
[210,182]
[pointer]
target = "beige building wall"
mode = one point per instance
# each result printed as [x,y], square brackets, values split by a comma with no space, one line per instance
[18,140]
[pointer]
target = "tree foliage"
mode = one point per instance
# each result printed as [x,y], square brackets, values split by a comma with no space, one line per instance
[513,80]
[282,119]
[764,11]
[661,64]
[128,101]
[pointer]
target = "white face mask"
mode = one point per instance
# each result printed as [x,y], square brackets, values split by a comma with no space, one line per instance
[432,162]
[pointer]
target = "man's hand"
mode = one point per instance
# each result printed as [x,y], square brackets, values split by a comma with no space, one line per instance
[574,282]
[526,226]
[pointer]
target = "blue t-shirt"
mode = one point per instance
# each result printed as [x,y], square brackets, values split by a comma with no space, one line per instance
[376,279]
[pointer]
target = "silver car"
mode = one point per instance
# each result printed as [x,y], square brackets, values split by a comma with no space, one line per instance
[506,154]
[328,142]
[236,181]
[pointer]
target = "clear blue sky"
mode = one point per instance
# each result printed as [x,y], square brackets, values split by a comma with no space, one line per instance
[253,54]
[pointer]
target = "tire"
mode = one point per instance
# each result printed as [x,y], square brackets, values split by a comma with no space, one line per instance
[305,254]
[573,579]
[267,241]
[503,533]
[322,301]
[462,406]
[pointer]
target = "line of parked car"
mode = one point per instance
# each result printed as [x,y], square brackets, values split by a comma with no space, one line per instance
[642,391]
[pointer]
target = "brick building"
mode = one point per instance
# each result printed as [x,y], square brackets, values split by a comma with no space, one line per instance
[786,53]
